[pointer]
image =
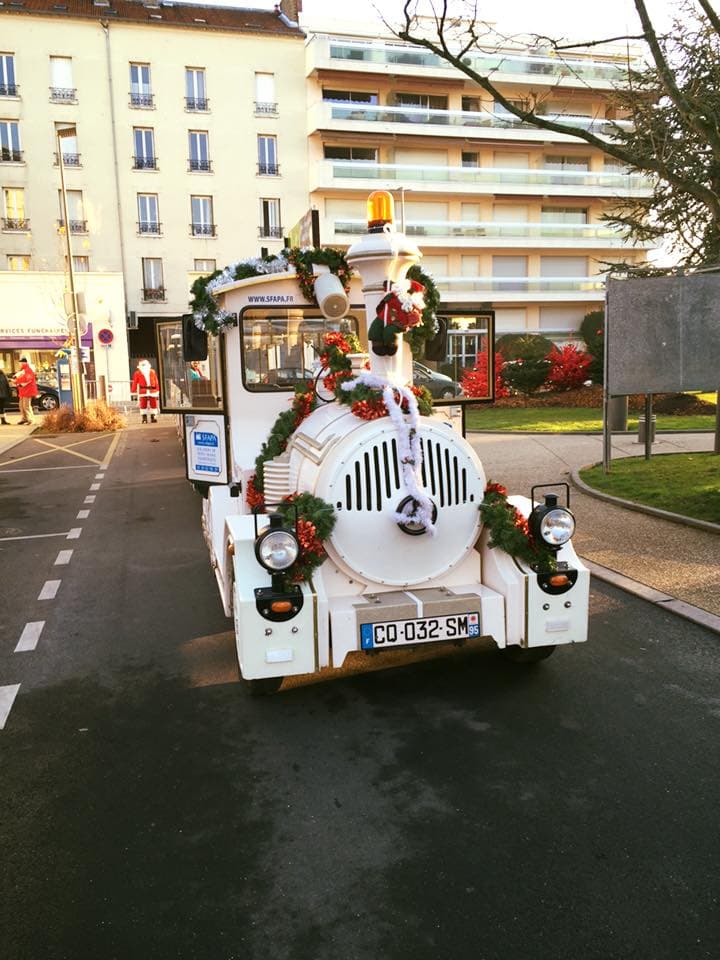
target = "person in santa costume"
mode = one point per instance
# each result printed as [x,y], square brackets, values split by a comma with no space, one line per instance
[145,385]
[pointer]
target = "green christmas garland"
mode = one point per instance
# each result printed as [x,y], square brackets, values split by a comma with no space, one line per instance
[510,532]
[417,336]
[314,520]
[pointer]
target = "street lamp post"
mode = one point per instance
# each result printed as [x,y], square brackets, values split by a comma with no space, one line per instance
[76,381]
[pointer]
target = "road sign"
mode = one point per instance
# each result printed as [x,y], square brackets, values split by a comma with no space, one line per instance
[105,336]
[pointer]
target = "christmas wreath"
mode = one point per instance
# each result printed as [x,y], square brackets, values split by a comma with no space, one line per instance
[208,315]
[400,310]
[510,532]
[314,520]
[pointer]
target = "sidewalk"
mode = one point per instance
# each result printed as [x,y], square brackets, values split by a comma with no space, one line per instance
[673,560]
[12,435]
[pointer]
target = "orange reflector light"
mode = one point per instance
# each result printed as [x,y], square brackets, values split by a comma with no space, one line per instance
[559,580]
[380,209]
[281,606]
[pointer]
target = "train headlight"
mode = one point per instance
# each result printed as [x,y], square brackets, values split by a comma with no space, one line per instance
[277,548]
[552,524]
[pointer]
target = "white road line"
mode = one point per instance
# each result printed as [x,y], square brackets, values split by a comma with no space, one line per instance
[35,536]
[94,486]
[99,476]
[81,466]
[30,636]
[89,499]
[74,533]
[50,588]
[63,558]
[7,698]
[83,515]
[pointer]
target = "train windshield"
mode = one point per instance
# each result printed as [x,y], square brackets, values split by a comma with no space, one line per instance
[281,347]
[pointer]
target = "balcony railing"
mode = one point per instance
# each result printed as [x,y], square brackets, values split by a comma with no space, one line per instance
[490,176]
[269,232]
[145,163]
[197,104]
[523,284]
[149,228]
[483,62]
[63,94]
[494,231]
[76,226]
[265,109]
[269,169]
[9,155]
[202,229]
[153,294]
[379,113]
[142,101]
[69,159]
[9,90]
[15,223]
[204,165]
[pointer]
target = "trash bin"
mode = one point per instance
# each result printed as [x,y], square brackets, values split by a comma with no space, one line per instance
[641,428]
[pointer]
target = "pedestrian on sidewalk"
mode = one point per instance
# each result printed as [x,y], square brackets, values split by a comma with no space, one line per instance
[26,384]
[4,396]
[145,385]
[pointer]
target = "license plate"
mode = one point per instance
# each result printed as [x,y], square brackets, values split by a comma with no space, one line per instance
[396,633]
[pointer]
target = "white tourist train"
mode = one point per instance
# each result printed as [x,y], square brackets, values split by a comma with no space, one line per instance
[349,518]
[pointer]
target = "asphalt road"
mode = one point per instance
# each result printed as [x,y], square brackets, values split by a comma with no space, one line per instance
[458,808]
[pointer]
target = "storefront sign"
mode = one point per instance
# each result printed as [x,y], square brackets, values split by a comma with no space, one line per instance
[205,448]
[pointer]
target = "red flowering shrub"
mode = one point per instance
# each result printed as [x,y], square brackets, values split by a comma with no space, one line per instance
[475,382]
[568,367]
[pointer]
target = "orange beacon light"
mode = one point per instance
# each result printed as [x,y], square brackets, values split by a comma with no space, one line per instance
[380,210]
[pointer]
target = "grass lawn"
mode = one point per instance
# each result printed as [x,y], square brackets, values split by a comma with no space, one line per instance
[687,483]
[568,420]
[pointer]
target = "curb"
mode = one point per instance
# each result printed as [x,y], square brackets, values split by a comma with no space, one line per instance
[680,608]
[14,443]
[705,525]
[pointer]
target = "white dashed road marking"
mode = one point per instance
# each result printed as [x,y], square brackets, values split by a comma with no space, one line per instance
[83,515]
[7,698]
[30,636]
[89,499]
[74,533]
[50,588]
[94,486]
[99,476]
[63,557]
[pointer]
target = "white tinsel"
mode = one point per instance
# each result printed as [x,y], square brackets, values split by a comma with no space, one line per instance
[408,444]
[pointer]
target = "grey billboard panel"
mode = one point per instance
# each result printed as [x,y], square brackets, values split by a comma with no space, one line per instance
[664,334]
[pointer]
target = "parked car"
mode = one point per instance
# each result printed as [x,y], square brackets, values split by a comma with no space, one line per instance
[47,399]
[440,386]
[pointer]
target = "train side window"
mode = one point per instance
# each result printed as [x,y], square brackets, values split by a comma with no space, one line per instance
[187,385]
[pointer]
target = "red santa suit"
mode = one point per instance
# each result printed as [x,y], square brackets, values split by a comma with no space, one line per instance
[145,385]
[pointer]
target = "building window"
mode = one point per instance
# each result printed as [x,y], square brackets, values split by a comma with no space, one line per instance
[10,141]
[421,100]
[153,287]
[350,153]
[199,151]
[80,264]
[470,159]
[502,109]
[76,215]
[68,146]
[349,96]
[195,95]
[270,225]
[144,139]
[564,215]
[140,90]
[265,102]
[8,87]
[201,212]
[17,261]
[267,156]
[561,162]
[61,81]
[14,209]
[148,214]
[205,266]
[471,104]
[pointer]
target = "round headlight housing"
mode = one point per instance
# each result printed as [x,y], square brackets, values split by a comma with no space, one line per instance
[557,527]
[277,549]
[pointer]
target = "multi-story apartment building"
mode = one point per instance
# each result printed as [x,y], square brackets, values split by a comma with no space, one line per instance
[508,216]
[184,147]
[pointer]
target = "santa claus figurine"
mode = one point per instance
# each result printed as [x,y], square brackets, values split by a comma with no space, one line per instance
[145,385]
